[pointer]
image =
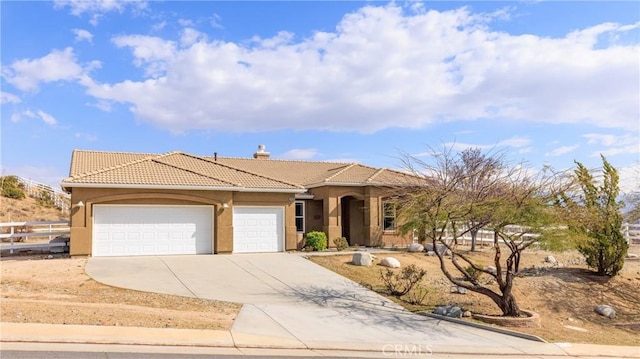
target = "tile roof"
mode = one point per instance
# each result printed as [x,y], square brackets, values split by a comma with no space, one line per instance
[179,169]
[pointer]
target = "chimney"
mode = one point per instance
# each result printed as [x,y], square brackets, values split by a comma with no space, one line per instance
[261,154]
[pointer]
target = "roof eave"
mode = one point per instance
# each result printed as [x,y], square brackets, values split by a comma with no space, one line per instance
[191,188]
[353,184]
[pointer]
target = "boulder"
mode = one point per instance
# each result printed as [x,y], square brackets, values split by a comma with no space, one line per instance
[390,262]
[450,311]
[361,259]
[442,249]
[491,269]
[415,247]
[467,314]
[550,259]
[606,311]
[459,290]
[431,253]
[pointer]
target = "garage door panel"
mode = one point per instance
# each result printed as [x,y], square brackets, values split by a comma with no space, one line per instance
[151,230]
[258,229]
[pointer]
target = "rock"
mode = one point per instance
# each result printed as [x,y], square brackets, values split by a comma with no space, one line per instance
[606,311]
[390,262]
[450,311]
[550,259]
[442,249]
[459,290]
[491,269]
[632,255]
[362,259]
[431,253]
[467,314]
[415,247]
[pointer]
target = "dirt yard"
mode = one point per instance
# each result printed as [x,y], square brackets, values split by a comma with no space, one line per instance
[564,295]
[57,291]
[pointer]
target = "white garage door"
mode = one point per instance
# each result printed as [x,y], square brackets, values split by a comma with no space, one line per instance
[258,229]
[124,230]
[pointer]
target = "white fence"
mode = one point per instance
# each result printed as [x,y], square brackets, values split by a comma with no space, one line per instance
[39,190]
[631,232]
[18,231]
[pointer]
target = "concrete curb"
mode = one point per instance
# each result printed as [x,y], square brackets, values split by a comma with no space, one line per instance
[196,338]
[484,327]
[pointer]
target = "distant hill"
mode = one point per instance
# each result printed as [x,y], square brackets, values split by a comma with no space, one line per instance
[29,209]
[27,201]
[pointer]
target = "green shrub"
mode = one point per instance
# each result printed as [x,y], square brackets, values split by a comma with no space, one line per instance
[12,192]
[11,187]
[316,240]
[341,243]
[399,284]
[417,295]
[474,273]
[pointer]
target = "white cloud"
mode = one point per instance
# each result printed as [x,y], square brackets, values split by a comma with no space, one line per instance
[37,115]
[152,53]
[627,143]
[27,74]
[190,36]
[383,67]
[80,7]
[159,26]
[86,136]
[515,142]
[6,97]
[83,35]
[300,154]
[214,21]
[561,151]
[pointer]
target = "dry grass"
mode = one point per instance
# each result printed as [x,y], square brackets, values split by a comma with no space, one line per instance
[58,291]
[565,297]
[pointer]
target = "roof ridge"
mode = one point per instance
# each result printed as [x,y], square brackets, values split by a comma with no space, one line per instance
[119,152]
[280,160]
[375,174]
[120,165]
[346,168]
[245,171]
[157,159]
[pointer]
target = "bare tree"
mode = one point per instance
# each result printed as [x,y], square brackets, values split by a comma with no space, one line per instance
[461,192]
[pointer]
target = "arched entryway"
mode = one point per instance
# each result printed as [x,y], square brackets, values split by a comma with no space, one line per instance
[352,220]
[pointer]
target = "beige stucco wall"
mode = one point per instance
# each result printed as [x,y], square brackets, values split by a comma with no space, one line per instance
[371,220]
[323,213]
[82,217]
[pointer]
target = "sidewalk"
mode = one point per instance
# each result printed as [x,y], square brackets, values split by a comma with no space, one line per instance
[222,341]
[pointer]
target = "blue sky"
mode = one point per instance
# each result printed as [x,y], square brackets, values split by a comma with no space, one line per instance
[545,82]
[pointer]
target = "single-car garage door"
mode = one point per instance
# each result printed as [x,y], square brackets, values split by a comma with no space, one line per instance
[258,229]
[138,230]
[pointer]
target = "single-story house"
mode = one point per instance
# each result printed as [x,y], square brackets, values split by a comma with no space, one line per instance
[127,204]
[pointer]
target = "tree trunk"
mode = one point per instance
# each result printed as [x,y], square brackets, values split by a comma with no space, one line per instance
[509,306]
[474,235]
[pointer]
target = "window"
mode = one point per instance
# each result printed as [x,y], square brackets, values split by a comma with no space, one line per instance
[300,216]
[388,216]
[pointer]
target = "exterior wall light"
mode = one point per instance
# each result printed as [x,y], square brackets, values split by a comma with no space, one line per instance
[80,204]
[225,205]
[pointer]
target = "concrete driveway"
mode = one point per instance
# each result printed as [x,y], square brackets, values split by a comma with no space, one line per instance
[288,299]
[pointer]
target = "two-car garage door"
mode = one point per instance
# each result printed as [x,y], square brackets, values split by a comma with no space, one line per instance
[133,230]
